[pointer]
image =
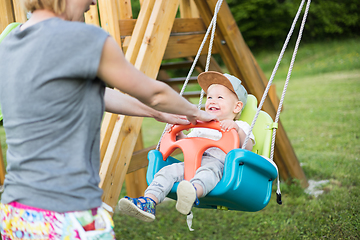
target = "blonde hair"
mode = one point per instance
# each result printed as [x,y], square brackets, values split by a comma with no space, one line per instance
[57,6]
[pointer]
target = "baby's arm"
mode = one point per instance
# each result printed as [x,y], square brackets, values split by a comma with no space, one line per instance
[242,135]
[181,135]
[226,125]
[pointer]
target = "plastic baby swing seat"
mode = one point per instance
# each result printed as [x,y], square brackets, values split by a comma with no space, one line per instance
[247,180]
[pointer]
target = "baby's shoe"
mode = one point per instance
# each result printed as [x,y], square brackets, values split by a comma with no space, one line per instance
[186,197]
[142,208]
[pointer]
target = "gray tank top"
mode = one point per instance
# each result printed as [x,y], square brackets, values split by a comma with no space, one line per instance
[52,103]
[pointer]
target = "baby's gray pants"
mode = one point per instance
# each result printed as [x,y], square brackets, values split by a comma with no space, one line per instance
[207,176]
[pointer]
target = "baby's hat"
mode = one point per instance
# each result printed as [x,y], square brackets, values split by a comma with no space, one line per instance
[205,79]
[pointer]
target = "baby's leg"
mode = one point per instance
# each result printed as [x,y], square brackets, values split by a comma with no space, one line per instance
[205,179]
[164,181]
[143,208]
[208,175]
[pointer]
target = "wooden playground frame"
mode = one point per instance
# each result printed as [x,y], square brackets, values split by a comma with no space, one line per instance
[156,35]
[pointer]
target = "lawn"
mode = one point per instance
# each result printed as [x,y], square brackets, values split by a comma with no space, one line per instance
[321,117]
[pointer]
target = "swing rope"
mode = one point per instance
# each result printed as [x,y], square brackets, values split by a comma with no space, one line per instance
[216,11]
[212,26]
[278,192]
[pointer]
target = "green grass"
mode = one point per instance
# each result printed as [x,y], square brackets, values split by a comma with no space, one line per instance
[321,117]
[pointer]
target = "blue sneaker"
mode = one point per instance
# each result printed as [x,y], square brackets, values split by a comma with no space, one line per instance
[142,208]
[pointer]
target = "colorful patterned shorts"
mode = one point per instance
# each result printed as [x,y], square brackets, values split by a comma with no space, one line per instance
[19,221]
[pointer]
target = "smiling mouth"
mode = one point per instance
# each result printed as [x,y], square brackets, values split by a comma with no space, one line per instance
[214,109]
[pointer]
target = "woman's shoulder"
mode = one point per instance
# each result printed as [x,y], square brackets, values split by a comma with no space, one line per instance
[79,28]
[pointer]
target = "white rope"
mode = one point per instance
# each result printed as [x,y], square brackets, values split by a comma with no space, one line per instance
[216,11]
[212,27]
[278,192]
[273,73]
[288,75]
[285,87]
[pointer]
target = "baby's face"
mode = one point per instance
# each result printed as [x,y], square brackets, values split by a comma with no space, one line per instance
[221,102]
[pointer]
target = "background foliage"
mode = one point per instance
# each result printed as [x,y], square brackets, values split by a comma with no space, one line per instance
[265,23]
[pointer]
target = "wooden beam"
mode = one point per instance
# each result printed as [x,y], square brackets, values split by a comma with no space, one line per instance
[213,66]
[185,9]
[156,36]
[116,160]
[112,140]
[148,61]
[115,128]
[6,14]
[185,39]
[194,10]
[109,18]
[181,25]
[124,7]
[136,181]
[186,46]
[19,12]
[2,168]
[139,30]
[179,80]
[176,65]
[139,158]
[92,16]
[109,120]
[188,9]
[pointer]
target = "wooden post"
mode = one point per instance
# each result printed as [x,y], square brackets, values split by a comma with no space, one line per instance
[109,18]
[111,129]
[116,161]
[6,14]
[188,9]
[2,168]
[92,16]
[124,7]
[136,181]
[19,12]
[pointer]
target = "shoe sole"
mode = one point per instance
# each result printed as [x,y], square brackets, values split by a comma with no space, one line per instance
[130,209]
[186,196]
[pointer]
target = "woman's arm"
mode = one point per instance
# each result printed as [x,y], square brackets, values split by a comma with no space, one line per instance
[115,70]
[120,103]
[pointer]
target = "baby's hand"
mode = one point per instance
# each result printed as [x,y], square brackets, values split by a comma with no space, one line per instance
[168,127]
[227,125]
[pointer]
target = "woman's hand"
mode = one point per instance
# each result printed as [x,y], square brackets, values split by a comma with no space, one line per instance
[201,116]
[171,119]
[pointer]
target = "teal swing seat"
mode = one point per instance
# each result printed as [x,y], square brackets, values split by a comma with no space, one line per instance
[248,176]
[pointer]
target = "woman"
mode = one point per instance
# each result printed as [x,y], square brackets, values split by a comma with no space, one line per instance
[53,94]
